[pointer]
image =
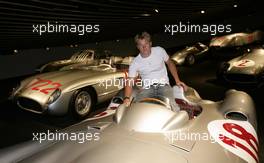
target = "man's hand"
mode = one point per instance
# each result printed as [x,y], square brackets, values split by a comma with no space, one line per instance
[181,84]
[126,102]
[174,73]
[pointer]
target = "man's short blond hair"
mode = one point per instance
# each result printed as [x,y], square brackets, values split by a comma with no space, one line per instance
[141,36]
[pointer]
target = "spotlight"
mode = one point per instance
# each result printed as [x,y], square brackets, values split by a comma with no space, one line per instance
[145,14]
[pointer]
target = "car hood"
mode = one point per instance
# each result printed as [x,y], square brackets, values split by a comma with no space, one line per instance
[115,147]
[117,144]
[180,53]
[179,56]
[66,81]
[221,41]
[120,141]
[67,77]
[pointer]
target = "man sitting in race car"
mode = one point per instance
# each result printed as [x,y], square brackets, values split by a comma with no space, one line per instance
[150,66]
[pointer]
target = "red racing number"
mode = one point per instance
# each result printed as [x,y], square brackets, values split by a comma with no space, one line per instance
[243,63]
[40,83]
[240,133]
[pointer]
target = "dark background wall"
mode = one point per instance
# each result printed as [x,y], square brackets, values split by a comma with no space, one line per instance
[26,61]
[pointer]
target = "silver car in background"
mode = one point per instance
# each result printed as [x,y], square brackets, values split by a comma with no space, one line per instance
[149,131]
[236,39]
[245,69]
[190,54]
[74,90]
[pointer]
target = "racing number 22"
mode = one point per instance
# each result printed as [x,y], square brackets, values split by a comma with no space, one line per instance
[240,133]
[37,86]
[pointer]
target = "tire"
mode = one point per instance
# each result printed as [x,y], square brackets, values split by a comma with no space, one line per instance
[190,60]
[83,102]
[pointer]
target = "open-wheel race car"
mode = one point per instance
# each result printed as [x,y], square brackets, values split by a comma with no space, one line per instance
[245,69]
[149,131]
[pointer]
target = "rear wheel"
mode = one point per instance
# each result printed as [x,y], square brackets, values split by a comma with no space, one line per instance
[83,102]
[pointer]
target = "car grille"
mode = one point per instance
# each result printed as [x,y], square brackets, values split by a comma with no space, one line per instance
[243,78]
[29,104]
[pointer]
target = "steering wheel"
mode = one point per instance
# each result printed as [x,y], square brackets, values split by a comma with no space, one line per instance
[148,99]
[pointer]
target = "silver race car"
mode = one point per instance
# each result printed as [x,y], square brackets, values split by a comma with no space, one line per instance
[236,39]
[149,131]
[74,90]
[189,54]
[245,69]
[82,57]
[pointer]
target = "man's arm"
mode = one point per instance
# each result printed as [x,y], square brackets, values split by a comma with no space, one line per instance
[128,90]
[174,73]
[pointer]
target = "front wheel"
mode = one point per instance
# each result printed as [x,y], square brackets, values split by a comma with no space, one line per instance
[82,103]
[190,60]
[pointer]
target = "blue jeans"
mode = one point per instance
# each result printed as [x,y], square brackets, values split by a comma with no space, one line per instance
[158,90]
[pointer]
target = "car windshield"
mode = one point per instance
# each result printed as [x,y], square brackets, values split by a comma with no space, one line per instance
[82,55]
[79,66]
[199,46]
[93,67]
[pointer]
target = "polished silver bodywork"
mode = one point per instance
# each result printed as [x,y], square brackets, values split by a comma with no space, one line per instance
[196,50]
[141,133]
[247,68]
[35,99]
[236,39]
[82,57]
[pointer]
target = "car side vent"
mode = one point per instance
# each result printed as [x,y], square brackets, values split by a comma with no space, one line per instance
[99,126]
[96,127]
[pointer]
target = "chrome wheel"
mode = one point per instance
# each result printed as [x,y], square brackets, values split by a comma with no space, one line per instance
[83,103]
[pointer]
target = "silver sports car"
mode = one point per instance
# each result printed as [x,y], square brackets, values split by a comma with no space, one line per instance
[82,57]
[245,69]
[74,90]
[189,54]
[149,131]
[236,39]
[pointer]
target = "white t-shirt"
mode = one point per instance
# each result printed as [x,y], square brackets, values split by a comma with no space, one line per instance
[151,69]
